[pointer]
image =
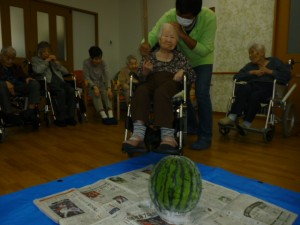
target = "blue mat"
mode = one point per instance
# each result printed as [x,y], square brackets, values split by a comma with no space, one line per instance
[18,208]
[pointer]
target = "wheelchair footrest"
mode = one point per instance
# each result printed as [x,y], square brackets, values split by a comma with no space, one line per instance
[166,149]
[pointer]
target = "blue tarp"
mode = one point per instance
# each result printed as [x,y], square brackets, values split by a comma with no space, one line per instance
[18,209]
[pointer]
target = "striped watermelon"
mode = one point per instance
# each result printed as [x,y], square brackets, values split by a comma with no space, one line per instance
[175,185]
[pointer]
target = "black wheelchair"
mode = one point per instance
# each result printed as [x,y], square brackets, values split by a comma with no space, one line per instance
[279,99]
[152,136]
[49,100]
[20,106]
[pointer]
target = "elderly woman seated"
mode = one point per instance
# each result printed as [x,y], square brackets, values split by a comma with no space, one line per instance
[124,76]
[162,72]
[259,74]
[46,64]
[14,82]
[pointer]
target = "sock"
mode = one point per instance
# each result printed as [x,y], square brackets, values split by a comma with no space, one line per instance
[103,114]
[110,114]
[139,130]
[232,116]
[247,124]
[166,132]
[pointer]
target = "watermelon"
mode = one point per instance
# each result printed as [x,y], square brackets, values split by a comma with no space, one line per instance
[175,185]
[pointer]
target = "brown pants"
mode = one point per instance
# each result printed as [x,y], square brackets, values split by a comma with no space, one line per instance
[159,88]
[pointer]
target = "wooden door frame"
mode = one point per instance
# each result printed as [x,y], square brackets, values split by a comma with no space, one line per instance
[6,26]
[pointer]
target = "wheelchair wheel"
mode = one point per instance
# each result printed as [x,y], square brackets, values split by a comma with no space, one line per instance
[288,120]
[224,130]
[268,134]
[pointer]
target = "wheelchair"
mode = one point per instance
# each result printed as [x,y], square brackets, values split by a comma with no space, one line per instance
[49,101]
[152,136]
[269,110]
[20,105]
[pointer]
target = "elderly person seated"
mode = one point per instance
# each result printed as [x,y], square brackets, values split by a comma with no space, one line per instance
[259,74]
[13,81]
[162,72]
[46,64]
[124,76]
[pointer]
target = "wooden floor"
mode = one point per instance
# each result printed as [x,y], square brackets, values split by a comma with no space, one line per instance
[31,158]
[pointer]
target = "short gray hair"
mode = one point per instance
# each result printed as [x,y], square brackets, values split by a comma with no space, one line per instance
[164,26]
[129,58]
[8,50]
[257,47]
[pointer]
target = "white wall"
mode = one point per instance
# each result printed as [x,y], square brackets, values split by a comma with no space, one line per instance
[239,24]
[83,36]
[131,28]
[108,26]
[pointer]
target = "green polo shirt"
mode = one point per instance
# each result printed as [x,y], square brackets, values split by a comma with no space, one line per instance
[203,32]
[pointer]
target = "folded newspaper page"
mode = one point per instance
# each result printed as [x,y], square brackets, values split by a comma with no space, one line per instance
[250,210]
[136,181]
[70,207]
[137,214]
[109,196]
[124,199]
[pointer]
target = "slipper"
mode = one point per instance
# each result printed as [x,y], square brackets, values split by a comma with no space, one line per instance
[167,149]
[168,146]
[134,144]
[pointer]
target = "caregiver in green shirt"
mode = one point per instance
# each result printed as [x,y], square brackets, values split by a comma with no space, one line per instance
[196,27]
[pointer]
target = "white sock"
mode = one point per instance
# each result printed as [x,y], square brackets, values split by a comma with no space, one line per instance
[103,114]
[110,114]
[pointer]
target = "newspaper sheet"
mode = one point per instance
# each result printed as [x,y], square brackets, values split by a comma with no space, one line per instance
[109,196]
[135,182]
[124,199]
[246,209]
[69,206]
[213,199]
[137,214]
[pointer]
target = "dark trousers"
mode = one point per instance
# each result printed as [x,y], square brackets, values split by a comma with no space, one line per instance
[159,88]
[64,96]
[32,90]
[202,91]
[249,97]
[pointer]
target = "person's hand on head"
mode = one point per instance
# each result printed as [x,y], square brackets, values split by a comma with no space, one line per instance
[147,67]
[10,87]
[178,28]
[179,75]
[145,49]
[96,91]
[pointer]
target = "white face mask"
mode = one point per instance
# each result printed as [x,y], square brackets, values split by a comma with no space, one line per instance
[183,21]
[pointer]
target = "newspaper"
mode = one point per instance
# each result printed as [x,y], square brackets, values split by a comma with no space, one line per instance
[107,195]
[137,214]
[70,207]
[246,209]
[124,199]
